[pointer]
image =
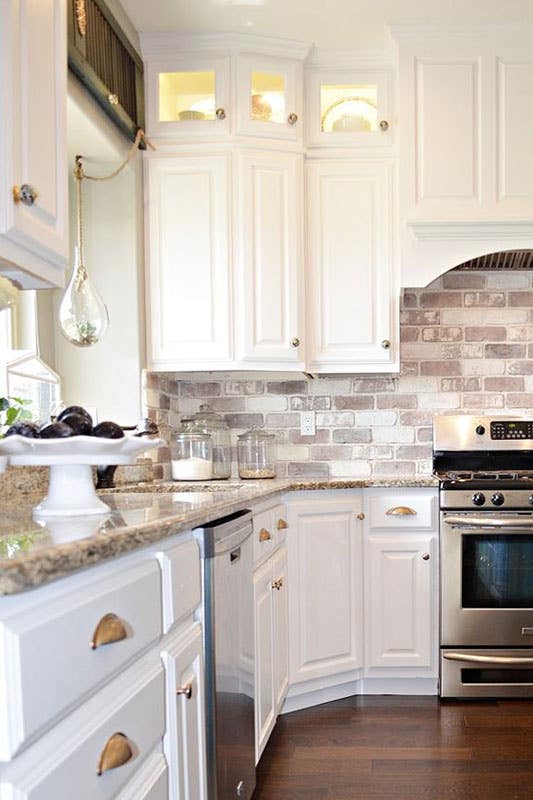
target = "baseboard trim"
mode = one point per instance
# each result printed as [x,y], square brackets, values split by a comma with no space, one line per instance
[371,686]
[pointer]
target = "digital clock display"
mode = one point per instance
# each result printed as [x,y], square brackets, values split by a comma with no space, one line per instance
[511,431]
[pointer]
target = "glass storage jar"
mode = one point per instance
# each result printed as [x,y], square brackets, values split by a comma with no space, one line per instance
[210,422]
[191,455]
[256,451]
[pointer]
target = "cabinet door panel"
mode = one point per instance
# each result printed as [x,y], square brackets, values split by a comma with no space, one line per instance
[265,712]
[515,120]
[33,144]
[325,623]
[270,248]
[281,627]
[399,622]
[185,737]
[189,275]
[269,90]
[353,295]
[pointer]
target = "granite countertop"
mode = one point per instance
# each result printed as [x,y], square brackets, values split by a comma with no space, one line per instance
[34,553]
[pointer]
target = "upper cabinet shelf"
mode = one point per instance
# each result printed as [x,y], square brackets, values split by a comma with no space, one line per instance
[223,86]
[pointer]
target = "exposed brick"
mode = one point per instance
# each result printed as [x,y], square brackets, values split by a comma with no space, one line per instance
[481,299]
[392,468]
[441,299]
[193,389]
[504,384]
[424,435]
[354,401]
[352,435]
[332,452]
[414,451]
[244,421]
[521,400]
[440,368]
[486,333]
[282,420]
[409,334]
[396,401]
[475,401]
[462,351]
[420,317]
[505,350]
[310,403]
[372,385]
[287,387]
[441,334]
[520,299]
[409,300]
[461,385]
[244,387]
[413,418]
[408,368]
[321,437]
[308,469]
[463,280]
[520,367]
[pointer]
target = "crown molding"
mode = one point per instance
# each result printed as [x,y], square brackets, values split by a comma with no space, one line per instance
[475,230]
[157,44]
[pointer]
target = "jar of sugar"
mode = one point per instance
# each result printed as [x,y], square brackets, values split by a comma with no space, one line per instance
[191,456]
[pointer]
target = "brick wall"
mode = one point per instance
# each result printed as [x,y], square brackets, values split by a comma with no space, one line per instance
[466,345]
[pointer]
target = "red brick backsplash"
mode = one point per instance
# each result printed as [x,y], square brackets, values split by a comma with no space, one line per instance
[466,346]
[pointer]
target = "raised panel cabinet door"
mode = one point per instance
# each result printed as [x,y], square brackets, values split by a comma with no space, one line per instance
[514,121]
[188,277]
[353,283]
[265,711]
[184,741]
[281,626]
[325,580]
[400,580]
[269,235]
[33,106]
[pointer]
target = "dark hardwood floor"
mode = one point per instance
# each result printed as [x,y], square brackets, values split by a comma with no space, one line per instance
[408,748]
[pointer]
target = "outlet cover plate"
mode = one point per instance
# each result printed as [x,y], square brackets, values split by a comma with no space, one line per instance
[307,423]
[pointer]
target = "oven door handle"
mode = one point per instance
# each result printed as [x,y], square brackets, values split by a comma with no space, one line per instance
[515,522]
[479,659]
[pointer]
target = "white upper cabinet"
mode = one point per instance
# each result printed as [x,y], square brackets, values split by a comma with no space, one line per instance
[269,315]
[33,161]
[188,282]
[269,97]
[353,295]
[349,108]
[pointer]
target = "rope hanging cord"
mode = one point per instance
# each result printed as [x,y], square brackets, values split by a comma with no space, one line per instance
[80,174]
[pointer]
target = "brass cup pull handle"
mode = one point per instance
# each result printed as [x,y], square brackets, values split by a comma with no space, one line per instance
[109,629]
[186,691]
[25,194]
[401,511]
[264,535]
[292,119]
[425,556]
[383,125]
[282,524]
[117,752]
[220,113]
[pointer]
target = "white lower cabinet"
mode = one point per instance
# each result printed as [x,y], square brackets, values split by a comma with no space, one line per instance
[271,644]
[184,740]
[150,783]
[401,581]
[326,589]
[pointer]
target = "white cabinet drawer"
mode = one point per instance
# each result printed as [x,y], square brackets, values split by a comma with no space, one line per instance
[182,589]
[64,764]
[412,509]
[47,661]
[263,535]
[279,524]
[150,782]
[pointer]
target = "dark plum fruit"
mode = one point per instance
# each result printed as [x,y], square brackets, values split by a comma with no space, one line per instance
[74,410]
[80,425]
[108,430]
[55,430]
[28,429]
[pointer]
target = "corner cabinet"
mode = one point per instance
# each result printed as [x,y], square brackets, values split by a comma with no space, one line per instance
[33,160]
[353,284]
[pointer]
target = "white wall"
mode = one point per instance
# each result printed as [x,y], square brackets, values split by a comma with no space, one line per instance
[108,375]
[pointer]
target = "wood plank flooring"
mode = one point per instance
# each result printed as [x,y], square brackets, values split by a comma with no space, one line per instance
[401,748]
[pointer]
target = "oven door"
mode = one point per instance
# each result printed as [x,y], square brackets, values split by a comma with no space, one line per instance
[487,579]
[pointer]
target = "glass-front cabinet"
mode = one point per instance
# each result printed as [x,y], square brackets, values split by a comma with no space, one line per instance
[188,97]
[348,108]
[269,97]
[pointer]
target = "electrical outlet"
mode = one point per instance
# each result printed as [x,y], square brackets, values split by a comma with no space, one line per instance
[307,423]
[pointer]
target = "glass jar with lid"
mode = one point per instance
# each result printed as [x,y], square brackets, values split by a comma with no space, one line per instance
[256,451]
[191,455]
[210,422]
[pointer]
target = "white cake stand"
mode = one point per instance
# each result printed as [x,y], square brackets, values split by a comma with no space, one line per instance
[71,489]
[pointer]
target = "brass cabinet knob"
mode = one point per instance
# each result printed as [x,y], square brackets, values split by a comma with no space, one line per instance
[282,524]
[109,629]
[25,194]
[112,99]
[295,342]
[383,125]
[277,584]
[292,119]
[117,752]
[220,113]
[401,511]
[361,515]
[186,691]
[264,535]
[385,344]
[425,556]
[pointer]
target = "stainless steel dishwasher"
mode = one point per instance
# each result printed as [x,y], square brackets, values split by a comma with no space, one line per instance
[226,552]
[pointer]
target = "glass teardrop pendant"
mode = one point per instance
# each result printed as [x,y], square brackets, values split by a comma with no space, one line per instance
[83,314]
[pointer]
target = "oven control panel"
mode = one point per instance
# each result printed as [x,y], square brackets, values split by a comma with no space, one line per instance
[511,429]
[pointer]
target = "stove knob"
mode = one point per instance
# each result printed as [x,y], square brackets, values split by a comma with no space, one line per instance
[497,499]
[478,499]
[480,430]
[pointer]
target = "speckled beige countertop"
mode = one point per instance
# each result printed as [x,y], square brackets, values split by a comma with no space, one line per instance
[33,553]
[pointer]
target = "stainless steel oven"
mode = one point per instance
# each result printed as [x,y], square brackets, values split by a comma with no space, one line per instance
[486,540]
